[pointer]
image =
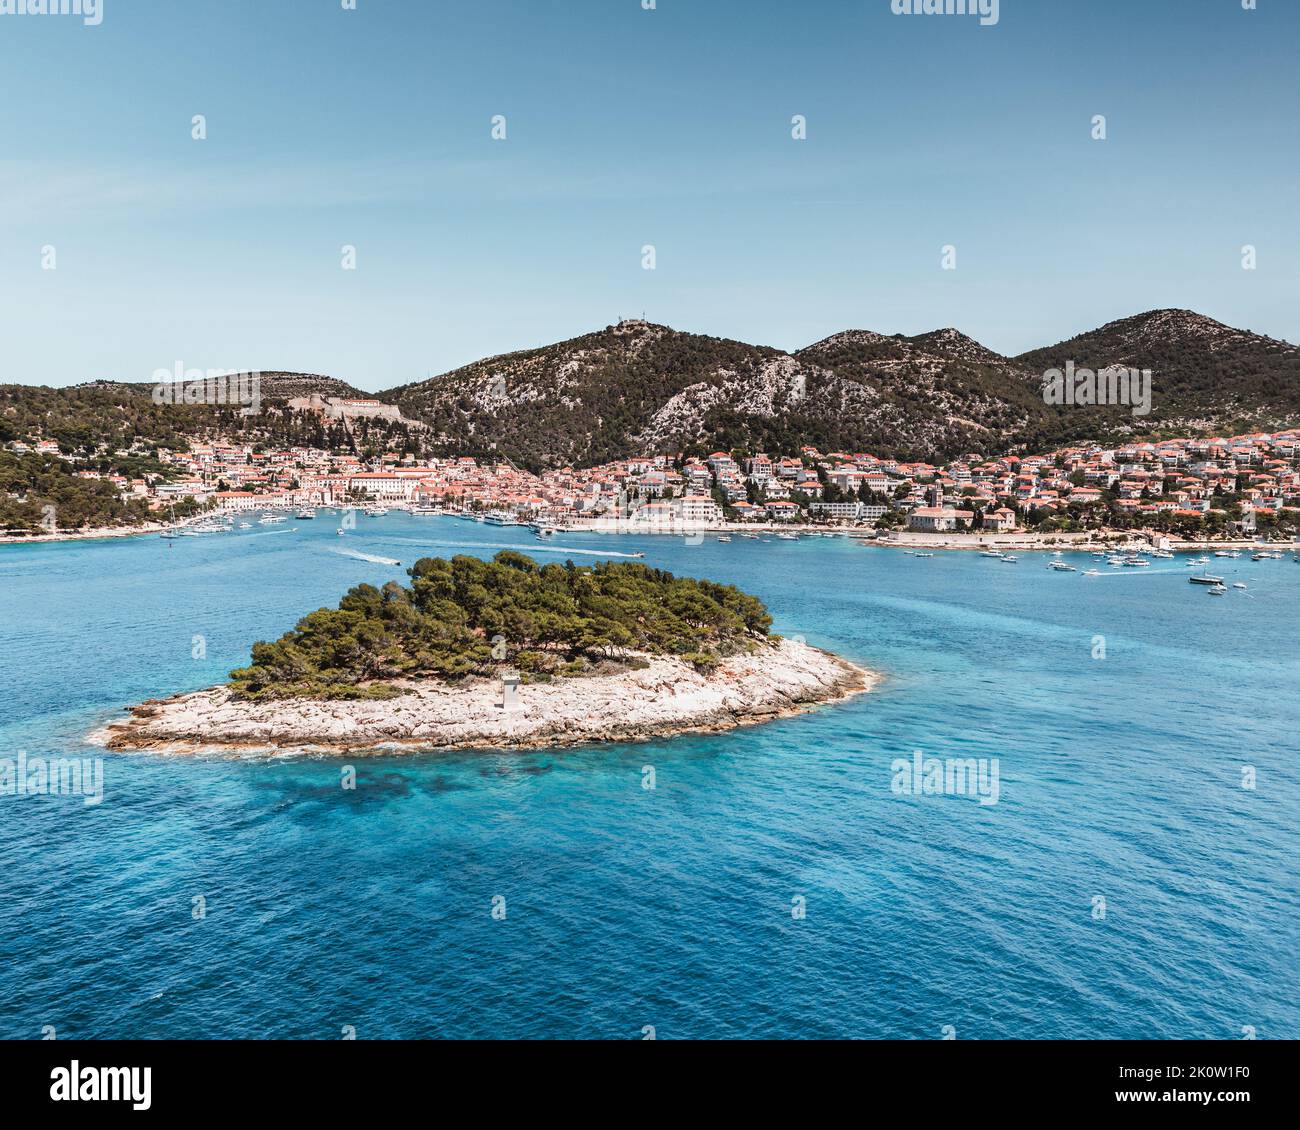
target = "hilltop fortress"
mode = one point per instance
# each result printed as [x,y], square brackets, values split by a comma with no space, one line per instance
[345,408]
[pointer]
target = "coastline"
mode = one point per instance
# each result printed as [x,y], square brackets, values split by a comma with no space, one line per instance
[98,534]
[665,698]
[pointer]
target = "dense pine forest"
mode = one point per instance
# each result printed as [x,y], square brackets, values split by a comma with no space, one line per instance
[468,617]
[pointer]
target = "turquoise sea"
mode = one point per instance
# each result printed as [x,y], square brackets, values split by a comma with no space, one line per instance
[772,884]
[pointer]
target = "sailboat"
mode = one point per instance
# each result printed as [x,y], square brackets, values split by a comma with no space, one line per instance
[169,534]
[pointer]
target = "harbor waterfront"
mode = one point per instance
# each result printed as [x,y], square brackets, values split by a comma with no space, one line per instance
[1122,864]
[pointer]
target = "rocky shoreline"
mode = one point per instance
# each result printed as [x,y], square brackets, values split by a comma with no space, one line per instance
[664,698]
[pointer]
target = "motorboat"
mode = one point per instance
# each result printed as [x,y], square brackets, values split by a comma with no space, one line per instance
[1062,567]
[1204,579]
[305,515]
[1217,590]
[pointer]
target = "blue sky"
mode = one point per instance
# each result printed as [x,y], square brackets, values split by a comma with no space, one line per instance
[628,127]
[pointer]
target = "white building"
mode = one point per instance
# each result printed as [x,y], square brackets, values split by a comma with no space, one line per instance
[384,485]
[699,508]
[935,518]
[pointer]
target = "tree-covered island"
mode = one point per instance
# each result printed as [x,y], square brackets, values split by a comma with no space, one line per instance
[467,617]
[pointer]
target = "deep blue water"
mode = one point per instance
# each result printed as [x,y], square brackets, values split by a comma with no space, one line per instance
[625,907]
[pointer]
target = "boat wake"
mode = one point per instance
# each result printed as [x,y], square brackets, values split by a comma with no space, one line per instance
[374,558]
[537,547]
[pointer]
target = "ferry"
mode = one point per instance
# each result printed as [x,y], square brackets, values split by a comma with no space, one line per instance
[1136,563]
[376,511]
[271,519]
[498,518]
[1204,579]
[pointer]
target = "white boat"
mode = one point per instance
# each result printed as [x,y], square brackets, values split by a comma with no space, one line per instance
[1009,559]
[787,537]
[923,555]
[1222,553]
[725,537]
[1136,563]
[376,511]
[1216,590]
[339,531]
[245,525]
[304,515]
[1092,572]
[271,519]
[1062,567]
[1238,584]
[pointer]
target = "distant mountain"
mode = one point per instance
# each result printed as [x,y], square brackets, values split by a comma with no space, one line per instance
[1205,375]
[620,391]
[637,387]
[937,394]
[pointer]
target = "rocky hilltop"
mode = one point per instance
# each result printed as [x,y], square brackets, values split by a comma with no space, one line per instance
[665,696]
[638,388]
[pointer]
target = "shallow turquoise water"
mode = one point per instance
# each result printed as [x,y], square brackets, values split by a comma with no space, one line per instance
[626,907]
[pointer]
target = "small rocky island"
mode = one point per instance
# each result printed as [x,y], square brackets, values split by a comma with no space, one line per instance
[498,654]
